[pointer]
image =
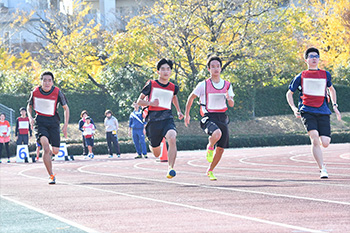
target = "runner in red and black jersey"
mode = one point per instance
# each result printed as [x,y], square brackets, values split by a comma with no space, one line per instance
[44,101]
[160,121]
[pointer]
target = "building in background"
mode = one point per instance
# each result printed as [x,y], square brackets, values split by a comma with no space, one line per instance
[113,15]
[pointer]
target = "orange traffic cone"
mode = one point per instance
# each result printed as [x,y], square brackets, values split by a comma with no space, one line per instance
[164,151]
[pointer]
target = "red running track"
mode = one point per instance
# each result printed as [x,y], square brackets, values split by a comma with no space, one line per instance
[272,189]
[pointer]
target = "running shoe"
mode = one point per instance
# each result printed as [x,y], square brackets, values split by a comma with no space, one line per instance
[138,157]
[37,158]
[52,179]
[118,155]
[171,173]
[110,156]
[0,161]
[92,155]
[323,173]
[211,175]
[145,156]
[210,156]
[8,161]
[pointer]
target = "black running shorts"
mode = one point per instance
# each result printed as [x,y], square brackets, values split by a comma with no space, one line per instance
[319,122]
[49,130]
[156,130]
[211,122]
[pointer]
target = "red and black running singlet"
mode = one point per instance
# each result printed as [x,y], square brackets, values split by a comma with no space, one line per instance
[215,99]
[314,87]
[163,94]
[45,105]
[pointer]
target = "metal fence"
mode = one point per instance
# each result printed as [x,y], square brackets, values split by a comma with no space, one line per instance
[10,115]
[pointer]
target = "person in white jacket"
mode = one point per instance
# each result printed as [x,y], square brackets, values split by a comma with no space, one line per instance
[111,126]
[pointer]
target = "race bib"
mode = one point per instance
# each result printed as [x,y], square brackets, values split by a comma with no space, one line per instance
[44,106]
[3,129]
[216,101]
[23,125]
[314,87]
[165,97]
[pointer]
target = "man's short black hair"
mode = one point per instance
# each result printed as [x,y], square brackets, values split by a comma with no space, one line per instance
[47,73]
[310,50]
[164,61]
[22,109]
[213,58]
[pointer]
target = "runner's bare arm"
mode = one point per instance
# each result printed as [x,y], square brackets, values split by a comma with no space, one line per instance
[66,120]
[30,116]
[333,95]
[290,100]
[142,102]
[189,103]
[230,100]
[177,106]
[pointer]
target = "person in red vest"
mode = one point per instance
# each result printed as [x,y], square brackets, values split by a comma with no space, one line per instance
[44,101]
[313,104]
[214,95]
[158,95]
[5,135]
[22,130]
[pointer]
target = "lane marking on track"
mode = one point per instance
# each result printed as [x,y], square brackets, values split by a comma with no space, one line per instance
[283,225]
[296,156]
[345,156]
[81,169]
[243,160]
[69,222]
[191,163]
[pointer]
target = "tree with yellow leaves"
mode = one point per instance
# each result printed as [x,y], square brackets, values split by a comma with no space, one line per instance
[327,27]
[73,46]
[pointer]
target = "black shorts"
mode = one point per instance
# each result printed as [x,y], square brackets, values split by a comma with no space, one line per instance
[22,139]
[156,130]
[89,141]
[211,122]
[49,130]
[319,122]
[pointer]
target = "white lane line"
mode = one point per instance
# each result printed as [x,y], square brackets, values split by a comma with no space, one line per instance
[69,222]
[185,205]
[296,156]
[191,163]
[243,160]
[81,169]
[345,156]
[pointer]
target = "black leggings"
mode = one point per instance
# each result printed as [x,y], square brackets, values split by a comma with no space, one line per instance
[7,149]
[112,138]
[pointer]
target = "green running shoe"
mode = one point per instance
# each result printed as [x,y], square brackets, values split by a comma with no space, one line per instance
[211,175]
[210,155]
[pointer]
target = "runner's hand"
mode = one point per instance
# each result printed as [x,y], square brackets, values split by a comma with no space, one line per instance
[180,115]
[154,103]
[337,113]
[31,122]
[296,112]
[187,120]
[65,131]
